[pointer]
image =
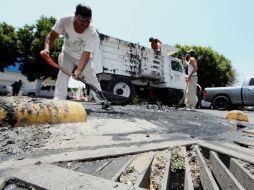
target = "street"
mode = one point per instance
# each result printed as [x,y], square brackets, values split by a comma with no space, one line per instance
[125,124]
[122,148]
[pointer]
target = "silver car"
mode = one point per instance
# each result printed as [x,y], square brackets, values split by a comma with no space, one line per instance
[5,90]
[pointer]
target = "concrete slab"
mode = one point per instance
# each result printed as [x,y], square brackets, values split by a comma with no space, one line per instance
[245,143]
[227,151]
[2,182]
[97,153]
[251,131]
[52,177]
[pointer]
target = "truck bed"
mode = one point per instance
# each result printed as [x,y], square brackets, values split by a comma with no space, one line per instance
[128,59]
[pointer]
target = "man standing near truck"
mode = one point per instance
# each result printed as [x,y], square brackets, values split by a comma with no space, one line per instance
[80,43]
[191,81]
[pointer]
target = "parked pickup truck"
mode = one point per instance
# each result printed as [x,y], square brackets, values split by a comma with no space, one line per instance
[222,98]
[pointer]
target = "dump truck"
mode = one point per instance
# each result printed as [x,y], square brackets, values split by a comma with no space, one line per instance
[129,69]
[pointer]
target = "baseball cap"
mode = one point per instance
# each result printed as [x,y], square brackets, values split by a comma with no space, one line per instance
[84,11]
[191,52]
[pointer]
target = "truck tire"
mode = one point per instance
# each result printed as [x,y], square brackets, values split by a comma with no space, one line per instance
[123,87]
[221,102]
[31,94]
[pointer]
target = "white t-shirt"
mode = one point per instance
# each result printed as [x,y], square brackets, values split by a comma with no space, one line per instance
[75,43]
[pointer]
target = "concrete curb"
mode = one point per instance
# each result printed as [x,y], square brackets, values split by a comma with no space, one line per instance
[24,111]
[237,115]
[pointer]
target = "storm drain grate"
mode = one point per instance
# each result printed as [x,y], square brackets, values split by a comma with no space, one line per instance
[190,167]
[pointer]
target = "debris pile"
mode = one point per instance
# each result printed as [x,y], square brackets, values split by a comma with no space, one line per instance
[15,142]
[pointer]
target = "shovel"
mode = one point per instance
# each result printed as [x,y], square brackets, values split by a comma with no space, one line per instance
[102,94]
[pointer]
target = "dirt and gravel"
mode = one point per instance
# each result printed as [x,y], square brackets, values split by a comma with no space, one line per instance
[195,170]
[18,141]
[158,169]
[146,118]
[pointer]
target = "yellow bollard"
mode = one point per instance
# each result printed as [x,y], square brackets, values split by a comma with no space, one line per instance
[237,115]
[24,111]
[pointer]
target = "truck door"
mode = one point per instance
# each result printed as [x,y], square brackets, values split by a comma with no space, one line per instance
[248,92]
[177,75]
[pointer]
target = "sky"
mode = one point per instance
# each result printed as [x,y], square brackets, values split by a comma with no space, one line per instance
[227,26]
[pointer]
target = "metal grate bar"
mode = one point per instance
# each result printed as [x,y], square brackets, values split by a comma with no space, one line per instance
[118,174]
[223,176]
[143,179]
[165,180]
[206,176]
[188,184]
[243,176]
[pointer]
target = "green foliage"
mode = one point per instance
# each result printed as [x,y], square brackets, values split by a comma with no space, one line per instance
[9,45]
[213,69]
[177,160]
[32,38]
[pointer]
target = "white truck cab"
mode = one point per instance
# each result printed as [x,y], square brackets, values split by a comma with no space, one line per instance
[129,69]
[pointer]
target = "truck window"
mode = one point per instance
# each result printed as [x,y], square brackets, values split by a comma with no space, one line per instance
[251,82]
[176,66]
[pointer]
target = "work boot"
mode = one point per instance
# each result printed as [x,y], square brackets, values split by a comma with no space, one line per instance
[105,105]
[190,108]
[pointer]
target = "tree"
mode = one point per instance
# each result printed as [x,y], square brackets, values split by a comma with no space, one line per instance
[213,69]
[32,38]
[9,45]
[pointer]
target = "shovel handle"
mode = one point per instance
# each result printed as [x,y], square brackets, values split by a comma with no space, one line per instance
[50,61]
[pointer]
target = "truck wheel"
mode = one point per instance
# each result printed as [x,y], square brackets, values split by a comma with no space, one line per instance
[31,94]
[122,87]
[221,102]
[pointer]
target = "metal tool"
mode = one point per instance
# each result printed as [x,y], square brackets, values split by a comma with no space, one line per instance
[105,104]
